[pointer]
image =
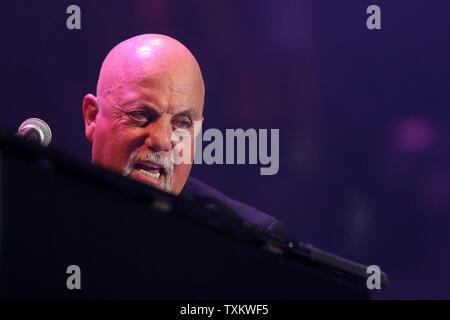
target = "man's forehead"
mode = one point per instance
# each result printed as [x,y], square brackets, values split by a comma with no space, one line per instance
[150,58]
[156,69]
[159,100]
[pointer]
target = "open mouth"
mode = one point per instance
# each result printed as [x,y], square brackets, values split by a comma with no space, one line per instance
[150,169]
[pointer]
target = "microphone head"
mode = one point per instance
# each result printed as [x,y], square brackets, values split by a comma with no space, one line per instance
[38,125]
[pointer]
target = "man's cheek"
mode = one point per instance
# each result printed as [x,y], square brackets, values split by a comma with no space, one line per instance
[181,171]
[118,155]
[183,149]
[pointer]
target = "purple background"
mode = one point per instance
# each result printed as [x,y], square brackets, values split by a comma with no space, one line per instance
[363,115]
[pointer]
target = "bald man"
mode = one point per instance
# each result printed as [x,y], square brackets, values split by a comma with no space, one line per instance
[149,87]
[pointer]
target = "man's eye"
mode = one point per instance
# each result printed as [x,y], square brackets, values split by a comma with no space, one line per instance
[139,115]
[184,123]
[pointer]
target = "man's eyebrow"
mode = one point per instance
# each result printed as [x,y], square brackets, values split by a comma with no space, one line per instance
[140,104]
[148,107]
[190,112]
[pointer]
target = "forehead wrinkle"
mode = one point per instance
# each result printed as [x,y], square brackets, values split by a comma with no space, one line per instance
[169,80]
[164,95]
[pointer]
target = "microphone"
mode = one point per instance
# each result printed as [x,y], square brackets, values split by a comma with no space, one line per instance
[35,130]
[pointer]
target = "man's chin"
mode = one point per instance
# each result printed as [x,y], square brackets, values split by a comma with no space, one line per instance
[156,182]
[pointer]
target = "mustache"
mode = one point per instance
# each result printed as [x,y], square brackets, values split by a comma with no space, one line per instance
[161,158]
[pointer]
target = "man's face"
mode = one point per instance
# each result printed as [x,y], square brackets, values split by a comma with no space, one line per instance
[137,115]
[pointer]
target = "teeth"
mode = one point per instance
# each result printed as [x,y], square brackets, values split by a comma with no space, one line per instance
[150,174]
[150,164]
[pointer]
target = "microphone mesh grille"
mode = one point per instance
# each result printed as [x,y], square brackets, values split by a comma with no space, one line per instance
[42,126]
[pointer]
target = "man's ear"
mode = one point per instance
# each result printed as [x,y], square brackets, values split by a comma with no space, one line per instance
[90,111]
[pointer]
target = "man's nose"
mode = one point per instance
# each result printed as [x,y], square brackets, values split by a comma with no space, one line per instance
[159,135]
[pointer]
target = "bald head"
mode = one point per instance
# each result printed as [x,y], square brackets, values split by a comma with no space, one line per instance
[151,57]
[149,86]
